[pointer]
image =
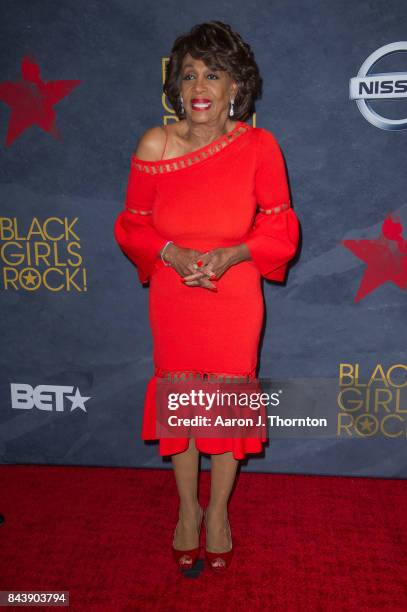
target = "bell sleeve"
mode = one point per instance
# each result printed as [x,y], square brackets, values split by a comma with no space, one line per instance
[134,229]
[274,236]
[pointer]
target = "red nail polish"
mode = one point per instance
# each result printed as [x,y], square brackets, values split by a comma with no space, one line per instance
[214,289]
[182,280]
[199,263]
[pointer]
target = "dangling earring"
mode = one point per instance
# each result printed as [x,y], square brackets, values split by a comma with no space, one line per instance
[182,105]
[231,108]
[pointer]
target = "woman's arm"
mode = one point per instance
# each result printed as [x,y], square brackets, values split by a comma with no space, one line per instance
[273,239]
[134,230]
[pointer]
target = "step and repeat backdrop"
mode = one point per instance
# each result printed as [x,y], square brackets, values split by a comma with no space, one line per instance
[79,83]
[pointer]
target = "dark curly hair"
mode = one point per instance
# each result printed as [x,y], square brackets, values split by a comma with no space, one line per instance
[220,48]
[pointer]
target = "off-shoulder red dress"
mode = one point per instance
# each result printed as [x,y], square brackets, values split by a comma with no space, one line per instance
[230,192]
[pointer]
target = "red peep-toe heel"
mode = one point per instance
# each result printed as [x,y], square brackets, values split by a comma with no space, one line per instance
[219,561]
[191,555]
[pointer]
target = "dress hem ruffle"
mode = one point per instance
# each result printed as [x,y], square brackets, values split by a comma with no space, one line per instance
[240,447]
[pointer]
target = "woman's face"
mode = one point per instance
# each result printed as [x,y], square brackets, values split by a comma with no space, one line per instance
[206,93]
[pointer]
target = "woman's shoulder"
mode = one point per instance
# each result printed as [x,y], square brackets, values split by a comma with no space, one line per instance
[264,136]
[267,144]
[151,143]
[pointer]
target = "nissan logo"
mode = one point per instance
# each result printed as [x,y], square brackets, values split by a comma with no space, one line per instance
[367,86]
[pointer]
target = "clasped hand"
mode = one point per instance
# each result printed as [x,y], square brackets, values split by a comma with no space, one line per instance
[214,263]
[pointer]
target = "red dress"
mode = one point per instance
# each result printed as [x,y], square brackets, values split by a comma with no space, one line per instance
[203,200]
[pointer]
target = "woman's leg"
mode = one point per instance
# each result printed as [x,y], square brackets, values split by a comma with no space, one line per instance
[186,475]
[223,474]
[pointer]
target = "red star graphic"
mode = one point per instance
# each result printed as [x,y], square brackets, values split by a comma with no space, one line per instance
[385,256]
[31,101]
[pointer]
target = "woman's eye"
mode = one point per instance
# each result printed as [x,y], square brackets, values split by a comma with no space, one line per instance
[212,74]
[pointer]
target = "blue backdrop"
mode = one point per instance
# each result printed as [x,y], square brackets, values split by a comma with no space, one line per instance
[80,82]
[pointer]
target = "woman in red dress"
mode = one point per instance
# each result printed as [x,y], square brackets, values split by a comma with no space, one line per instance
[207,215]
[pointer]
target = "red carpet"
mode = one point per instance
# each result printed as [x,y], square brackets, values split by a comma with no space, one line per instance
[303,543]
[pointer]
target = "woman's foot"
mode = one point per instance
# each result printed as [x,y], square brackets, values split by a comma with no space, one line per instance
[186,535]
[218,537]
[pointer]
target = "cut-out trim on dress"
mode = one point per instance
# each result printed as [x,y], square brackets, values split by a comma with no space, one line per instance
[140,212]
[275,210]
[179,375]
[190,159]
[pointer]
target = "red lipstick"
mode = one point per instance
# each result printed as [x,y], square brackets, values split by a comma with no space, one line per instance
[200,104]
